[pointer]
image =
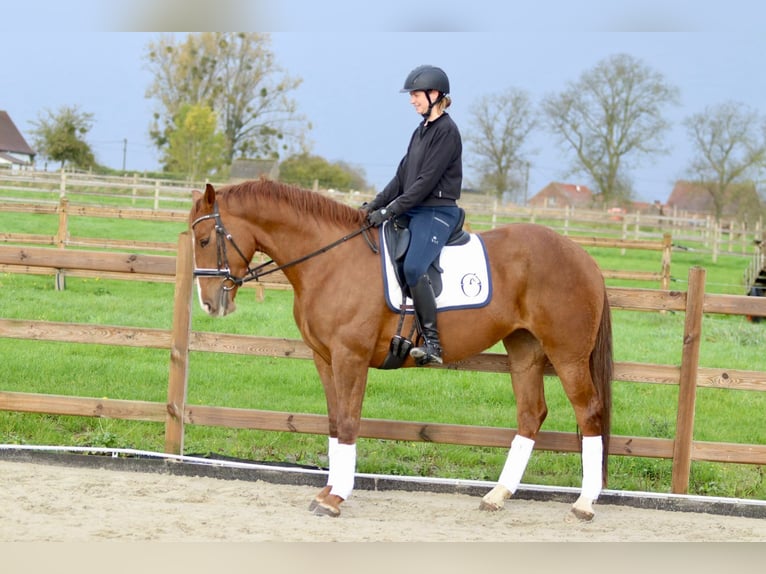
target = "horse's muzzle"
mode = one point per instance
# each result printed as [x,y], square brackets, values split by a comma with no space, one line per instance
[225,301]
[219,303]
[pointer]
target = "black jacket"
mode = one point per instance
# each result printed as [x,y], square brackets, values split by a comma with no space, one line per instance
[430,174]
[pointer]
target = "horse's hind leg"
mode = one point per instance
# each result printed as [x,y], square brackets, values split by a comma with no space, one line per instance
[527,364]
[578,385]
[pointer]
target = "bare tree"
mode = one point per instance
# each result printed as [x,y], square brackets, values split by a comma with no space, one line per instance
[236,75]
[730,148]
[498,131]
[612,119]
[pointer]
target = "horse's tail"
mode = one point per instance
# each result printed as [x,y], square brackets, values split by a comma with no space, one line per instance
[601,369]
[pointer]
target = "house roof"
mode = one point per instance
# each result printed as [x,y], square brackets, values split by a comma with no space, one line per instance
[695,198]
[11,139]
[9,158]
[573,194]
[577,193]
[244,168]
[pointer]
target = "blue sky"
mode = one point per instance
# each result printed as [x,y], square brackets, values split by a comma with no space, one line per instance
[353,59]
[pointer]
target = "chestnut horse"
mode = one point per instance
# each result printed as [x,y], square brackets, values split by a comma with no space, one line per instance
[549,303]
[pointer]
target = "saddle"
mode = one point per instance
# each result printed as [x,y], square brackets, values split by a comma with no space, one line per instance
[397,234]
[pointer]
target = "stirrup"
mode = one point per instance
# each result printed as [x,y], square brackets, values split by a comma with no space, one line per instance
[428,354]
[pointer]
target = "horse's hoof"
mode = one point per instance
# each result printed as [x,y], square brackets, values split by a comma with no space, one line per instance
[582,509]
[582,515]
[319,498]
[495,499]
[490,506]
[326,504]
[323,509]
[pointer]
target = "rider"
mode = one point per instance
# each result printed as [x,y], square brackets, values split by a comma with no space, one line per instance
[425,189]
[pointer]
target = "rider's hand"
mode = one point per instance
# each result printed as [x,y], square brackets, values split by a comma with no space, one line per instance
[377,217]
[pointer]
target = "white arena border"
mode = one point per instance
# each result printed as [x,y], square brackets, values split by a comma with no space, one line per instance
[675,502]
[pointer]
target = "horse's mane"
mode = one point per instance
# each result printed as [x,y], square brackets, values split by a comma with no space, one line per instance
[303,201]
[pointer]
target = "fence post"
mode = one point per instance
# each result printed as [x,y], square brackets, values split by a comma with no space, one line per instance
[62,184]
[61,238]
[179,348]
[687,391]
[717,239]
[624,235]
[667,250]
[156,194]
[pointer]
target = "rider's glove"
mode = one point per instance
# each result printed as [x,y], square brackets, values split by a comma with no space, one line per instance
[377,217]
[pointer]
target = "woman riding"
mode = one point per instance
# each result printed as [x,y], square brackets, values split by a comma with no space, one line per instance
[425,190]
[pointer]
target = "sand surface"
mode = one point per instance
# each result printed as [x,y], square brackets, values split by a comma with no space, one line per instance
[43,502]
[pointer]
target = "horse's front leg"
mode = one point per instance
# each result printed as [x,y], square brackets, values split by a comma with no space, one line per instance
[328,383]
[344,384]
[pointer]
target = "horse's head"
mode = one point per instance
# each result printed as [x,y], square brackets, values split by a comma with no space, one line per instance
[222,252]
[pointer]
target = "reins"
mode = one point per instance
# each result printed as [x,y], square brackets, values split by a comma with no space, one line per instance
[255,273]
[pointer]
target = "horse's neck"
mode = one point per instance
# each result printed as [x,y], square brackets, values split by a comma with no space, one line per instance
[286,237]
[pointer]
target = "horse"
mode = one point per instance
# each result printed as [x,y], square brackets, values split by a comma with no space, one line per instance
[549,304]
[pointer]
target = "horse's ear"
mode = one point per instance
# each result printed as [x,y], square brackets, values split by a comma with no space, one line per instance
[209,195]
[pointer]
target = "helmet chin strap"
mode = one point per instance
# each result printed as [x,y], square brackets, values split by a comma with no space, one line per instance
[431,104]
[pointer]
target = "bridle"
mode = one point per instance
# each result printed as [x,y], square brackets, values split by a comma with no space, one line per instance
[255,273]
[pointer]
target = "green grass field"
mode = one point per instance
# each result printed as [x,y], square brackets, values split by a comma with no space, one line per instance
[414,395]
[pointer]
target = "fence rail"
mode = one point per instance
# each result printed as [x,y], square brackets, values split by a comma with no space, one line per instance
[727,235]
[65,211]
[181,340]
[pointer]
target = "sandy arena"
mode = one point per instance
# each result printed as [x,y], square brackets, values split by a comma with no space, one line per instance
[40,501]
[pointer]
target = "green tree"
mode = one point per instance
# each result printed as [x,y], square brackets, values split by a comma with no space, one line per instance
[498,131]
[729,142]
[303,169]
[60,136]
[611,118]
[237,76]
[195,146]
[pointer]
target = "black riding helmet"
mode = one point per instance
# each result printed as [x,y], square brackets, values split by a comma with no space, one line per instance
[426,78]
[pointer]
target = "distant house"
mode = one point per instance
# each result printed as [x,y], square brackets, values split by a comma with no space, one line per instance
[741,200]
[244,169]
[14,150]
[562,195]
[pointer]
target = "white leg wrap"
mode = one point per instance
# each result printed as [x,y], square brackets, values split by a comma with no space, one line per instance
[332,444]
[516,463]
[592,456]
[342,468]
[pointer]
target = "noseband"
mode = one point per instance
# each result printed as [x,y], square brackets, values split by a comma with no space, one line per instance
[255,273]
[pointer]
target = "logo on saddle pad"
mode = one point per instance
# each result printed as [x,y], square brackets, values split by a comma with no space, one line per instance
[465,277]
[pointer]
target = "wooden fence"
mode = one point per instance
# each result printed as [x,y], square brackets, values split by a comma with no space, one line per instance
[755,274]
[63,239]
[181,340]
[485,211]
[703,232]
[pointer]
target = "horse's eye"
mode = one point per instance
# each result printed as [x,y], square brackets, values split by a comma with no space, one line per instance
[204,242]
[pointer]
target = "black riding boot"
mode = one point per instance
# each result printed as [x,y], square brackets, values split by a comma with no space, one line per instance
[425,313]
